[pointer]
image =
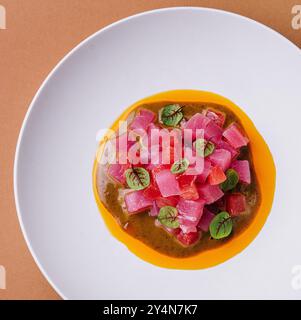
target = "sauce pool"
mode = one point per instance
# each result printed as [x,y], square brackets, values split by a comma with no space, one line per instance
[153,243]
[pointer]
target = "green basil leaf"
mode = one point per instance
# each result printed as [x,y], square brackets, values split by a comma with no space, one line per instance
[171,115]
[204,148]
[179,166]
[231,181]
[221,226]
[168,217]
[137,178]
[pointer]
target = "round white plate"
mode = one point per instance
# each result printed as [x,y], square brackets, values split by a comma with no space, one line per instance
[178,48]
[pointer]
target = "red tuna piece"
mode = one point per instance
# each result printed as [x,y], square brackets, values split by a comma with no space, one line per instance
[168,201]
[136,202]
[242,167]
[235,137]
[188,239]
[216,176]
[236,204]
[210,193]
[187,187]
[152,192]
[116,171]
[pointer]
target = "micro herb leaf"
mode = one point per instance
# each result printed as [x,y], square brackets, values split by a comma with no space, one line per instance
[137,178]
[204,148]
[221,226]
[179,166]
[168,217]
[171,115]
[231,181]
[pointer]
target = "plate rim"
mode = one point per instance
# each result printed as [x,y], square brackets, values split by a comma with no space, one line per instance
[57,67]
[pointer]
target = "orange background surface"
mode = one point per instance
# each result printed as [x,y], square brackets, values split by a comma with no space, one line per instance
[39,33]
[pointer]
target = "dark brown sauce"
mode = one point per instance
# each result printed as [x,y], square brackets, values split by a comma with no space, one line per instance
[141,225]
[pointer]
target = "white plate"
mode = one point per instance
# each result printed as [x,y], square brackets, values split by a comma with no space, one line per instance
[178,48]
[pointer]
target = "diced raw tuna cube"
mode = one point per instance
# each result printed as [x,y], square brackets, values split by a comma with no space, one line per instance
[168,201]
[216,176]
[116,171]
[189,192]
[191,210]
[236,204]
[147,114]
[242,167]
[235,137]
[188,239]
[221,158]
[136,202]
[154,211]
[201,178]
[213,132]
[152,192]
[210,193]
[222,144]
[197,121]
[188,229]
[218,117]
[187,221]
[206,220]
[185,180]
[142,120]
[187,187]
[139,122]
[167,183]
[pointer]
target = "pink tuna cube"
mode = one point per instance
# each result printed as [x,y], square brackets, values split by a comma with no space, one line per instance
[147,114]
[222,144]
[213,132]
[154,211]
[197,121]
[116,171]
[218,117]
[142,119]
[242,167]
[210,193]
[190,211]
[136,202]
[235,137]
[221,158]
[187,229]
[206,220]
[167,183]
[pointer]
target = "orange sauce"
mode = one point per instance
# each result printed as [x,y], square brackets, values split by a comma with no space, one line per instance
[263,165]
